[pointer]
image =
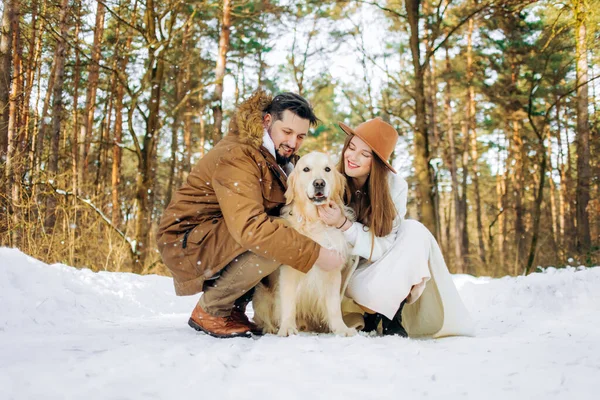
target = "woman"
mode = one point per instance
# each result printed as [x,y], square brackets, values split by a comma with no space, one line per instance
[400,261]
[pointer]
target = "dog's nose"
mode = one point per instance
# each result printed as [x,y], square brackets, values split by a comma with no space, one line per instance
[319,184]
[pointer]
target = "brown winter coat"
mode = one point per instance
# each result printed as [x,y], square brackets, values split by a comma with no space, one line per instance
[228,206]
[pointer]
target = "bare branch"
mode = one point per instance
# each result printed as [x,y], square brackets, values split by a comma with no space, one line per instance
[383,8]
[91,205]
[139,29]
[466,19]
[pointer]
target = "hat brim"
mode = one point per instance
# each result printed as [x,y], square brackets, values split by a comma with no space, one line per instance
[349,131]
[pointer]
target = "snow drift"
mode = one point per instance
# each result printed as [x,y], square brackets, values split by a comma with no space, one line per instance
[70,333]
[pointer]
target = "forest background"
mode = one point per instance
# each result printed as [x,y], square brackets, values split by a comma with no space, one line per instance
[106,105]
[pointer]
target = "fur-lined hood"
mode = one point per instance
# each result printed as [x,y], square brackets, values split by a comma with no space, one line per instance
[247,121]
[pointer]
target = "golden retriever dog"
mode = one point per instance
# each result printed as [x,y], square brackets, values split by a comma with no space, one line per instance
[294,300]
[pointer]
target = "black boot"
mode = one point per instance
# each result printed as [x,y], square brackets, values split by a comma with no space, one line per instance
[371,322]
[394,326]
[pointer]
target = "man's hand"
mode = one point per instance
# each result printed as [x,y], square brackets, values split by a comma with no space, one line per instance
[329,260]
[331,214]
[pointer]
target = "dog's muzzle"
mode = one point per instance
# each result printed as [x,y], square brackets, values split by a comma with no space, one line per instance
[319,191]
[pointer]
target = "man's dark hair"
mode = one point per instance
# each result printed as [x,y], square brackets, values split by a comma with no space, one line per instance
[293,102]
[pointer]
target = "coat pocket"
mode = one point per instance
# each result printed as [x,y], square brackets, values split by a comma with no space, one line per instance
[273,195]
[198,233]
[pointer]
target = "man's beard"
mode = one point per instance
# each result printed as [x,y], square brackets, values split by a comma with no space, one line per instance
[283,160]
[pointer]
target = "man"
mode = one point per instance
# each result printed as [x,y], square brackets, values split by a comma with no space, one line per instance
[220,234]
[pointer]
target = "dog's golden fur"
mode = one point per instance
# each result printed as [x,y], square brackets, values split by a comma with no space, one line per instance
[308,302]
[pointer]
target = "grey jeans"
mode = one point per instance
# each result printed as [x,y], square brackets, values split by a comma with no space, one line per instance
[236,280]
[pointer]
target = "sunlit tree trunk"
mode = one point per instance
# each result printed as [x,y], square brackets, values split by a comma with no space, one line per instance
[57,108]
[76,133]
[552,184]
[121,56]
[202,137]
[145,179]
[15,150]
[92,87]
[500,199]
[5,73]
[458,248]
[425,187]
[34,52]
[517,195]
[220,70]
[472,137]
[583,131]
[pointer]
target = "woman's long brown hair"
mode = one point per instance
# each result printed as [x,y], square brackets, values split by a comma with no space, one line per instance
[372,206]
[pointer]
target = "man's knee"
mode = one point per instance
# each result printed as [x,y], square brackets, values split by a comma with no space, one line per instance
[265,265]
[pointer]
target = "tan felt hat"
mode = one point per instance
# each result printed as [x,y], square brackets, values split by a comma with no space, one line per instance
[379,135]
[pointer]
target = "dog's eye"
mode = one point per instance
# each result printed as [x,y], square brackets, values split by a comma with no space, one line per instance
[327,169]
[306,169]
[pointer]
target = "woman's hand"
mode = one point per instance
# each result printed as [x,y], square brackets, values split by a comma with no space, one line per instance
[331,214]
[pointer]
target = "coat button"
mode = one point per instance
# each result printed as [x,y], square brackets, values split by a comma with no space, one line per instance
[215,221]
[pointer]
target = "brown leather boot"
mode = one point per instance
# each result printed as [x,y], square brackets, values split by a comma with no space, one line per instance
[219,327]
[239,315]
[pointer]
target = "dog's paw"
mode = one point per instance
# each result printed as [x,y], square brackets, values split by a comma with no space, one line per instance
[269,330]
[287,331]
[346,332]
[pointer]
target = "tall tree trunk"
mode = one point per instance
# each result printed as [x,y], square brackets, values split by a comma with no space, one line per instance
[421,140]
[101,169]
[14,161]
[92,88]
[35,68]
[583,132]
[182,79]
[144,195]
[173,164]
[122,57]
[472,137]
[568,179]
[518,191]
[560,234]
[458,248]
[74,140]
[539,198]
[34,52]
[463,221]
[202,136]
[57,108]
[500,199]
[41,135]
[5,73]
[431,104]
[220,70]
[187,142]
[553,211]
[432,129]
[431,87]
[116,155]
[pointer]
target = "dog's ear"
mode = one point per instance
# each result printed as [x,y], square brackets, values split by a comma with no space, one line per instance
[290,192]
[339,188]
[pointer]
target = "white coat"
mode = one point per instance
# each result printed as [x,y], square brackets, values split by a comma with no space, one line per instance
[406,264]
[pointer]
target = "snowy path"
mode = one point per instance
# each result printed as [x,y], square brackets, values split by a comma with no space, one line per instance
[72,334]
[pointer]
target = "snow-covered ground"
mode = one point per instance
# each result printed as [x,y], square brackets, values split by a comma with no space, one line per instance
[73,334]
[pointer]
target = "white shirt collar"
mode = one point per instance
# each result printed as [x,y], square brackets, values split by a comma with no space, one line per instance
[268,143]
